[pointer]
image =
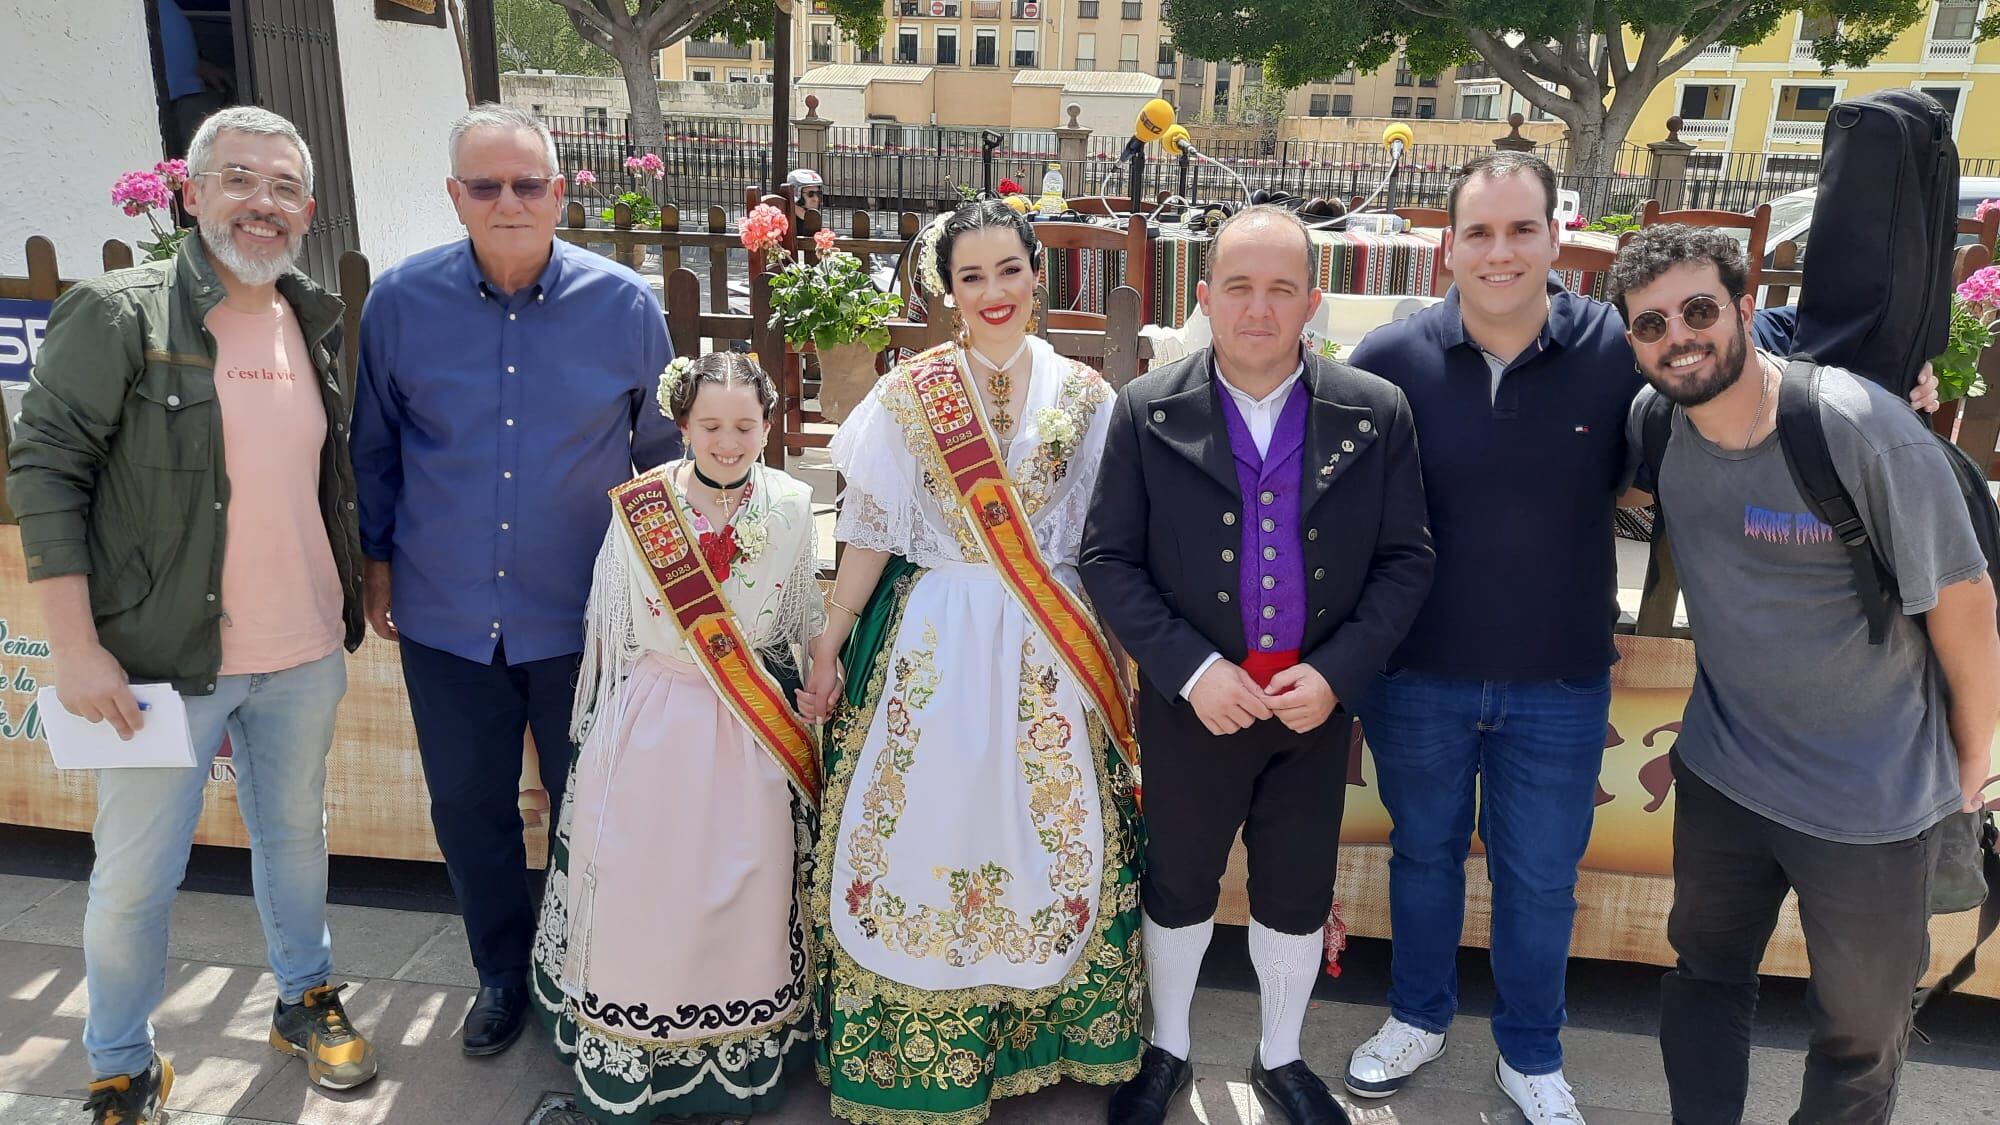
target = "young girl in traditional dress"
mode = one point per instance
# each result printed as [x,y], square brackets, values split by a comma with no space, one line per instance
[672,956]
[977,896]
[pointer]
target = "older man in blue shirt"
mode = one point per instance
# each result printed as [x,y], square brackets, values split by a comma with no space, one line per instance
[506,382]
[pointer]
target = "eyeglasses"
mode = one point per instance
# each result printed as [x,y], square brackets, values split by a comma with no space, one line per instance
[242,183]
[810,194]
[526,190]
[1699,314]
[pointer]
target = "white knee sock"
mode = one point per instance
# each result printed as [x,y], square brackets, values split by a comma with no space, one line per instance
[1285,965]
[1173,965]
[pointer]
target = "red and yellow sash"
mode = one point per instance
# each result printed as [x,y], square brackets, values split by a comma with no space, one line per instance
[993,508]
[651,514]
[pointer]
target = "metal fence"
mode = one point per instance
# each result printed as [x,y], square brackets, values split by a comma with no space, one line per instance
[885,168]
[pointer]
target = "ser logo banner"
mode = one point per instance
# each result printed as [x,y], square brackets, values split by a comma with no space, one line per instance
[22,324]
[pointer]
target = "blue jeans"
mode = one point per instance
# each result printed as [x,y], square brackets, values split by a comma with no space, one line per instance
[280,727]
[1533,749]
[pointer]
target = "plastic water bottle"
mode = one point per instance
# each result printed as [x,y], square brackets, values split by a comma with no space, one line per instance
[1051,202]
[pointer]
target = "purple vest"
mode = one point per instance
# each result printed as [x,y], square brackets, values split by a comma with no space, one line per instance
[1271,583]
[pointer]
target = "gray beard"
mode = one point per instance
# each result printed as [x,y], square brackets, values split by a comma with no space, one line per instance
[248,270]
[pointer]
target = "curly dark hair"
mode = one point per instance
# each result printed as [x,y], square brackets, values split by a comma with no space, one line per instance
[1657,249]
[723,369]
[982,215]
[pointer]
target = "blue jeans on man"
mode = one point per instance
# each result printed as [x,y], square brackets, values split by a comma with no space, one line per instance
[280,728]
[1525,755]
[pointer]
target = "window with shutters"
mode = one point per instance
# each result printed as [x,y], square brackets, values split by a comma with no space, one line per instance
[289,62]
[1086,51]
[985,47]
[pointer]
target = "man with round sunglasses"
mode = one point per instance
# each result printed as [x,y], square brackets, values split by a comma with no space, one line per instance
[506,383]
[1810,759]
[180,470]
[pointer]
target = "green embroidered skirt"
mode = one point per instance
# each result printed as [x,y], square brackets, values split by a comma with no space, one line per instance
[898,1055]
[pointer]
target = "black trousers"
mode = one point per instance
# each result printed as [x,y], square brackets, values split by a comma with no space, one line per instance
[1287,793]
[470,719]
[1865,910]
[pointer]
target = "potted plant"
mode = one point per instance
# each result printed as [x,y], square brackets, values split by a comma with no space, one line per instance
[829,303]
[1974,306]
[142,193]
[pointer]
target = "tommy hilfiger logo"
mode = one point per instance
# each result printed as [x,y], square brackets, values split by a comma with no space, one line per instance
[1583,429]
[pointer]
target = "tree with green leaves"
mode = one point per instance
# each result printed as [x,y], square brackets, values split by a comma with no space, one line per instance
[1590,63]
[536,35]
[633,32]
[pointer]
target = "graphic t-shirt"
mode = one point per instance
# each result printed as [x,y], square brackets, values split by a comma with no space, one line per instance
[280,592]
[1794,715]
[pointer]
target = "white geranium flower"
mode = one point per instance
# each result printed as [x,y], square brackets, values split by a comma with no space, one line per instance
[1057,427]
[751,538]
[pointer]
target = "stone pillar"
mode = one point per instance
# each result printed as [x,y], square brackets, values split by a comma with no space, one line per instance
[1072,147]
[1514,141]
[811,131]
[1669,167]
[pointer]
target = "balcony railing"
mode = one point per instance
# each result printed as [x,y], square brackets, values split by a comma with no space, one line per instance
[1027,10]
[1798,132]
[1163,69]
[1948,51]
[1716,53]
[1706,129]
[1802,51]
[704,49]
[986,9]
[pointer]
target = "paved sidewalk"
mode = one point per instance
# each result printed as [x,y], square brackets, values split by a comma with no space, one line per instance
[413,984]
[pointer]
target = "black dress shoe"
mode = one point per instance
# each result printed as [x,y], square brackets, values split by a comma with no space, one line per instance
[495,1021]
[1298,1093]
[1143,1100]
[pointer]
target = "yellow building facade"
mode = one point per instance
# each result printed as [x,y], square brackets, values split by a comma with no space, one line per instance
[1772,98]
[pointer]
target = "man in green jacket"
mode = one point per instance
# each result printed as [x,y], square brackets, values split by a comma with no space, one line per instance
[186,503]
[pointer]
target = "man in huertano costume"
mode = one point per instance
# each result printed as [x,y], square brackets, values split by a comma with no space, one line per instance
[1258,542]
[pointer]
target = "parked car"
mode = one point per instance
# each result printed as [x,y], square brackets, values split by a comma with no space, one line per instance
[1791,214]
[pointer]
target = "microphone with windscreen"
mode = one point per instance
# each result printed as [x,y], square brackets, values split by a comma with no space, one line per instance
[1155,118]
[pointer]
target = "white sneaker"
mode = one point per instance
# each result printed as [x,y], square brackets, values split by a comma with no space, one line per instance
[1545,1099]
[1380,1066]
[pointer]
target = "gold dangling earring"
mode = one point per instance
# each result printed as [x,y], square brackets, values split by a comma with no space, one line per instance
[1035,315]
[959,334]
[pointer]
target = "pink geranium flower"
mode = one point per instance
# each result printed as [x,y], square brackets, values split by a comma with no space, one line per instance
[823,241]
[1982,288]
[648,164]
[585,177]
[174,172]
[1986,207]
[140,192]
[763,228]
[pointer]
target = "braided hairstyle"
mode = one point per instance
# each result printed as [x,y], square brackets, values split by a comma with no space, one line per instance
[722,369]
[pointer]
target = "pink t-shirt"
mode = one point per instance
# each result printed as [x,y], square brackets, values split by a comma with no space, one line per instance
[280,592]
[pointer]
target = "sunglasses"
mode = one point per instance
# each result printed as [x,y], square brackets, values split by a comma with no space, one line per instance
[811,194]
[1699,314]
[241,183]
[526,190]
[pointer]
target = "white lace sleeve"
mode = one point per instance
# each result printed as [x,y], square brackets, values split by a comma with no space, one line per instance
[880,507]
[1060,526]
[610,645]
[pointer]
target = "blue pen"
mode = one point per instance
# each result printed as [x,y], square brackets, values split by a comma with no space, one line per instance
[145,706]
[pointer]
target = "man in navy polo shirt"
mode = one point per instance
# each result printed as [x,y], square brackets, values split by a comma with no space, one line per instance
[1519,389]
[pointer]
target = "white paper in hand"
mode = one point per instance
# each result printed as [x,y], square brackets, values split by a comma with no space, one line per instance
[161,740]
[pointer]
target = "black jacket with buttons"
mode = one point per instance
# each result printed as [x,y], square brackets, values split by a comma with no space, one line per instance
[1159,547]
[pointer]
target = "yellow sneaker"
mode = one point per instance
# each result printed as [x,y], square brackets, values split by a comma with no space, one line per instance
[316,1030]
[131,1099]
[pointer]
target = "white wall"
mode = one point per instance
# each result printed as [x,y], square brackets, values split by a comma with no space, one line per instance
[76,112]
[404,85]
[1109,115]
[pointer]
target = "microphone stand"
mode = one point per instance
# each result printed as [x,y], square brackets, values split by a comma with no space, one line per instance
[1137,181]
[1182,187]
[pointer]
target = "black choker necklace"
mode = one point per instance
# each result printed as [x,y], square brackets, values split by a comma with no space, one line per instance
[717,485]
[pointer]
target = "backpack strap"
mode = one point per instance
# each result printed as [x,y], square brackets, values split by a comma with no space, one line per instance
[1803,437]
[1656,428]
[1989,917]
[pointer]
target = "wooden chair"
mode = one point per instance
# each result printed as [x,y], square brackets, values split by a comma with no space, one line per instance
[1427,218]
[1757,223]
[1986,230]
[1091,236]
[1591,259]
[1073,320]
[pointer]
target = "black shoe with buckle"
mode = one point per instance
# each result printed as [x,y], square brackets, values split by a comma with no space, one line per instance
[1145,1098]
[131,1099]
[495,1021]
[1301,1097]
